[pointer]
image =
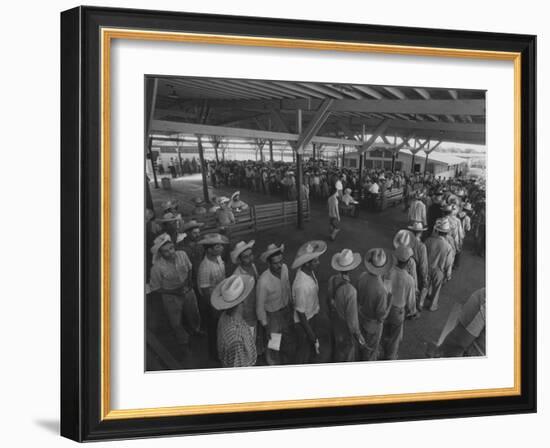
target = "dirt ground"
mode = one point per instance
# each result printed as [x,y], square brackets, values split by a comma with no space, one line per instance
[368,230]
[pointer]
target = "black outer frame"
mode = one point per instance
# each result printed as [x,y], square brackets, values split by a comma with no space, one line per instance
[80,223]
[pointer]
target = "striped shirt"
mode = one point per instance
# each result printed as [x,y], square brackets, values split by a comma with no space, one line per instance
[210,272]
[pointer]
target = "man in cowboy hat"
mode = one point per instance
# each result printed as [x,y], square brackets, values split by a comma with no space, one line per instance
[171,277]
[465,217]
[434,210]
[236,343]
[273,302]
[420,255]
[236,204]
[406,238]
[211,273]
[305,297]
[403,298]
[440,260]
[350,204]
[192,248]
[200,208]
[343,298]
[374,300]
[417,209]
[242,256]
[171,224]
[224,215]
[333,214]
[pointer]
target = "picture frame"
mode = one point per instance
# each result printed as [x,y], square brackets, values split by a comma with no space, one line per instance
[86,35]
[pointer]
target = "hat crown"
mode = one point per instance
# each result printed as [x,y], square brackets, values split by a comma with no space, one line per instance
[232,289]
[403,238]
[345,258]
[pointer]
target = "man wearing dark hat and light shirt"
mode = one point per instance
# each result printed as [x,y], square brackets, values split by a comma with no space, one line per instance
[374,300]
[305,296]
[235,342]
[273,303]
[171,277]
[403,295]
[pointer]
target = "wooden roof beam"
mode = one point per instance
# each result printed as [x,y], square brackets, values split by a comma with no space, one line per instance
[314,125]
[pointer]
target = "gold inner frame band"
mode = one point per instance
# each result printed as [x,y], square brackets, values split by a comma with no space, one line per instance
[107,35]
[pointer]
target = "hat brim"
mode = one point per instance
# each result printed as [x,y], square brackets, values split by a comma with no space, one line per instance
[236,252]
[265,255]
[412,229]
[380,270]
[338,267]
[217,300]
[195,225]
[306,257]
[216,240]
[439,229]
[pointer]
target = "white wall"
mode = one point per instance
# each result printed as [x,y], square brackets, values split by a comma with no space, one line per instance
[30,286]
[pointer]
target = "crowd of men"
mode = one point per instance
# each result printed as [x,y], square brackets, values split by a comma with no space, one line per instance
[274,315]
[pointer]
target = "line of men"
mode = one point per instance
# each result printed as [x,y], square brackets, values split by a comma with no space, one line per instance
[250,317]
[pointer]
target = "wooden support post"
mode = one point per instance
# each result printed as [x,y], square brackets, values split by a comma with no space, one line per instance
[149,148]
[180,162]
[203,170]
[298,151]
[343,156]
[313,145]
[427,151]
[271,150]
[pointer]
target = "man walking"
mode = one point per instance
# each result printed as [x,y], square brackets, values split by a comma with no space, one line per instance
[333,214]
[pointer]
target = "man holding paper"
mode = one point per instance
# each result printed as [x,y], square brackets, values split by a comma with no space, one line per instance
[272,303]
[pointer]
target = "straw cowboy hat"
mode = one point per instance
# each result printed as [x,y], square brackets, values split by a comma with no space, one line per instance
[403,253]
[403,237]
[214,238]
[231,291]
[416,226]
[345,260]
[192,225]
[222,200]
[309,251]
[382,177]
[347,190]
[442,225]
[160,241]
[467,207]
[237,193]
[377,262]
[168,217]
[239,248]
[271,249]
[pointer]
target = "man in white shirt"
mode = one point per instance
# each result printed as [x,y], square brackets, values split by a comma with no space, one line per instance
[305,297]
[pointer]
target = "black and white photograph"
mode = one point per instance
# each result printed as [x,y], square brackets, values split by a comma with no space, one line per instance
[292,222]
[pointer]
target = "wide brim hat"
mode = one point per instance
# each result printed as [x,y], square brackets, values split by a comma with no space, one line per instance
[192,225]
[160,241]
[442,225]
[309,251]
[378,262]
[231,291]
[271,249]
[237,193]
[169,217]
[222,200]
[417,226]
[214,238]
[345,260]
[347,190]
[239,248]
[467,207]
[403,237]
